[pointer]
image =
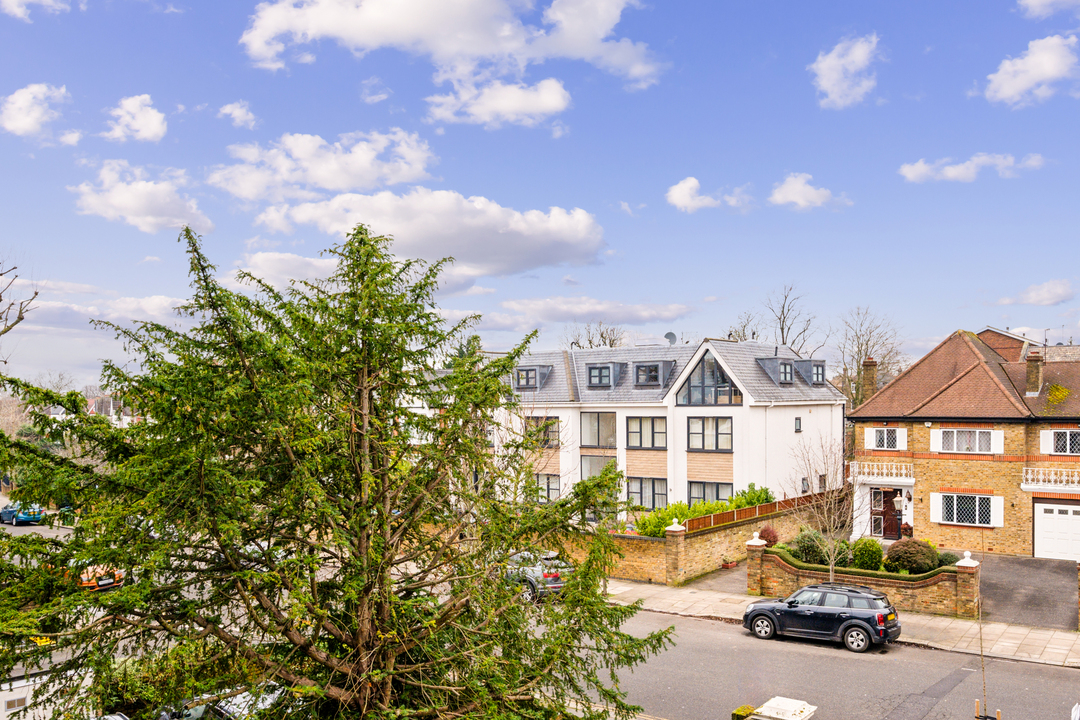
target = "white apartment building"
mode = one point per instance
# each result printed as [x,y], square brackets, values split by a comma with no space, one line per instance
[684,423]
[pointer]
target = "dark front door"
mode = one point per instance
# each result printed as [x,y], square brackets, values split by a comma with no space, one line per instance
[883,520]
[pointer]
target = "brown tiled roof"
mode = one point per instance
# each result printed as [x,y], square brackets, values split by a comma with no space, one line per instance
[1008,347]
[964,377]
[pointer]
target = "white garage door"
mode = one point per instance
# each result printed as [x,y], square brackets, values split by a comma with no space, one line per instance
[1057,531]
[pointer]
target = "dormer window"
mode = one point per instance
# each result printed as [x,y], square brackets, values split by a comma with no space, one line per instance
[647,374]
[819,374]
[526,378]
[786,372]
[600,376]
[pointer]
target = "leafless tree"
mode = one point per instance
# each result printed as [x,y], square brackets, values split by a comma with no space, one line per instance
[864,334]
[827,497]
[592,335]
[747,327]
[792,324]
[12,312]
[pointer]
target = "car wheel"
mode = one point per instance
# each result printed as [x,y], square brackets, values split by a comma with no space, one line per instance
[856,639]
[763,627]
[528,592]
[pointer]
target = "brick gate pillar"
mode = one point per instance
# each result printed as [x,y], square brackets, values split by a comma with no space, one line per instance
[755,549]
[675,551]
[967,587]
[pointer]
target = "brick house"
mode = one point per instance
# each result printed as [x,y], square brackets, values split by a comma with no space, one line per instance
[981,439]
[683,422]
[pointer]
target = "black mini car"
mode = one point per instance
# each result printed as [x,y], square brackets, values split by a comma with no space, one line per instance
[856,615]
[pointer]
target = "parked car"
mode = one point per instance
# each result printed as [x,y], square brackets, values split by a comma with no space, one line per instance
[856,615]
[538,575]
[99,577]
[237,707]
[17,512]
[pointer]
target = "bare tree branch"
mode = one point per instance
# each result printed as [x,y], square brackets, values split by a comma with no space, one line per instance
[792,324]
[592,335]
[863,335]
[828,508]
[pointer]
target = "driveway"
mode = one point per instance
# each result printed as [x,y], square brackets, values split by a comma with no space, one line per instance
[1029,591]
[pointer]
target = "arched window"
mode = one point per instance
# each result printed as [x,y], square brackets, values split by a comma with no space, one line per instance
[708,384]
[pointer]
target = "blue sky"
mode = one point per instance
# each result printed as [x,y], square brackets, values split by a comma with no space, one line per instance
[661,165]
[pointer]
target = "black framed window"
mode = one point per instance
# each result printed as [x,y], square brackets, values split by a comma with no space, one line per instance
[963,509]
[709,434]
[819,374]
[526,378]
[549,487]
[708,384]
[798,424]
[600,375]
[822,483]
[593,465]
[710,492]
[649,493]
[547,429]
[647,374]
[787,371]
[646,432]
[598,429]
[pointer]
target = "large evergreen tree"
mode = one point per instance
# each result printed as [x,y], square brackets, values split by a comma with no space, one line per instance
[312,498]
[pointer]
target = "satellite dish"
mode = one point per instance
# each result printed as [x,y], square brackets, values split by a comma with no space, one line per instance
[670,337]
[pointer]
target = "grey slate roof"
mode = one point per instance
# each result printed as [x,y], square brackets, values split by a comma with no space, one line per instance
[568,379]
[1062,353]
[742,358]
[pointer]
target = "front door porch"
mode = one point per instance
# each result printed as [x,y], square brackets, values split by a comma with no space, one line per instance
[876,486]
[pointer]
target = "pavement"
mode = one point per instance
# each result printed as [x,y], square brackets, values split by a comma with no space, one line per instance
[1006,641]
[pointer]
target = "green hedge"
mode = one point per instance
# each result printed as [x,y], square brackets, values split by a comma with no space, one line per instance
[654,523]
[876,574]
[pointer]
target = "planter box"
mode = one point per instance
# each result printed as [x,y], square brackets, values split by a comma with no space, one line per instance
[728,565]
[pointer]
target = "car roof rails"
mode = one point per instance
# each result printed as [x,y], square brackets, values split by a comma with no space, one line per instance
[848,586]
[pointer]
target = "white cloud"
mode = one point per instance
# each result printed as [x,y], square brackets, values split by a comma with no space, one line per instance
[473,45]
[71,137]
[498,102]
[484,237]
[1031,77]
[558,129]
[150,259]
[124,193]
[278,268]
[27,110]
[570,280]
[21,8]
[967,171]
[1051,292]
[583,308]
[298,166]
[373,91]
[478,290]
[135,117]
[686,196]
[60,287]
[843,75]
[239,113]
[1046,8]
[796,190]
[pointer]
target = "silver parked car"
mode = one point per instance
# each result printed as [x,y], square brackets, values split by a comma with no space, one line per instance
[538,575]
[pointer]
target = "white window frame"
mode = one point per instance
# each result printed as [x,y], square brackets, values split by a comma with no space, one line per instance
[1069,437]
[943,509]
[877,438]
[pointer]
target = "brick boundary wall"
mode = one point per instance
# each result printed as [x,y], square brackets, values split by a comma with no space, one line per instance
[682,556]
[954,594]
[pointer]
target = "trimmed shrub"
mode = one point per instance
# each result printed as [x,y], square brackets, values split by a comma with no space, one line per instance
[915,556]
[947,558]
[768,534]
[867,553]
[654,523]
[807,547]
[843,554]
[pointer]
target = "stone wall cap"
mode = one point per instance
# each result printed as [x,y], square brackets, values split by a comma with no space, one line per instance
[756,541]
[675,526]
[967,562]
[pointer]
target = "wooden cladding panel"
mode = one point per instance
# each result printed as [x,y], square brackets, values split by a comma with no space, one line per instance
[547,461]
[646,463]
[710,467]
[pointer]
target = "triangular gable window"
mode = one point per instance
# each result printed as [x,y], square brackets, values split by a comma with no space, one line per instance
[708,384]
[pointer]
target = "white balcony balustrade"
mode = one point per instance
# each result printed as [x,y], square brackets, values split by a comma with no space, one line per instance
[873,471]
[1052,478]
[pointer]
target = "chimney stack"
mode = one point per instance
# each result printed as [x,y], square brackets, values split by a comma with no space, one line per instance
[1034,373]
[869,378]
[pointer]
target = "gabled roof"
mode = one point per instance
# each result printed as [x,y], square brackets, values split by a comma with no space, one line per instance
[568,378]
[1009,345]
[965,378]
